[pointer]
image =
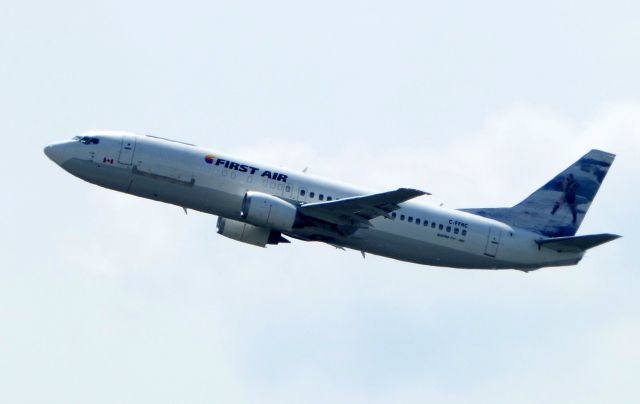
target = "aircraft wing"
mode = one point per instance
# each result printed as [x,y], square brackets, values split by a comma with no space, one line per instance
[357,211]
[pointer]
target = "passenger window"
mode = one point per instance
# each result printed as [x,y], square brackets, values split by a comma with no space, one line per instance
[312,194]
[302,192]
[410,219]
[433,225]
[440,227]
[321,197]
[329,198]
[393,215]
[456,230]
[464,232]
[426,223]
[448,229]
[401,217]
[287,188]
[417,221]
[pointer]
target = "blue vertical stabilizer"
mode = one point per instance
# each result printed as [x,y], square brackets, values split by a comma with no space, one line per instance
[557,209]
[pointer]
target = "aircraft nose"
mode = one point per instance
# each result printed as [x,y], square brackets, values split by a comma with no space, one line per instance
[55,152]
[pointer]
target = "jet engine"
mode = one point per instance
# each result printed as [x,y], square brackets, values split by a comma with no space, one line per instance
[269,211]
[248,233]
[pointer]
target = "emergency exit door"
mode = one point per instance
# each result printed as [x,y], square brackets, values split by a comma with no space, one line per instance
[302,194]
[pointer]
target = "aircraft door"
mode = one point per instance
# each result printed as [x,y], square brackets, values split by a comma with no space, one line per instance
[287,192]
[493,241]
[126,149]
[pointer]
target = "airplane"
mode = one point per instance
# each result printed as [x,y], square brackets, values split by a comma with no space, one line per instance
[262,205]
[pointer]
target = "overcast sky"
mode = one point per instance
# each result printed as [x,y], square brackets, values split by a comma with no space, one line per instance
[108,298]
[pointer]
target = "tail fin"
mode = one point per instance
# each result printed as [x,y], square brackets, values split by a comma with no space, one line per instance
[557,209]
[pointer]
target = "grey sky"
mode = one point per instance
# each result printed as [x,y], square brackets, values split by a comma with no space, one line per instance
[109,298]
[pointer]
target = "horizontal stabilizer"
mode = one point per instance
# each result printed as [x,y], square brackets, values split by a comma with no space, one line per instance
[576,243]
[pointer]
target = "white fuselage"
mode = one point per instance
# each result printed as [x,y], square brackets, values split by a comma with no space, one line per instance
[187,176]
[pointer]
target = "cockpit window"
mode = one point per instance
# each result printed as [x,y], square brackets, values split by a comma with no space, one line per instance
[87,139]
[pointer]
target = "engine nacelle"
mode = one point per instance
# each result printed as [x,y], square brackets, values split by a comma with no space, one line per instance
[248,233]
[266,210]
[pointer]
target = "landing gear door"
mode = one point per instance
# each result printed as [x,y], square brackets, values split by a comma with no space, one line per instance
[126,149]
[493,241]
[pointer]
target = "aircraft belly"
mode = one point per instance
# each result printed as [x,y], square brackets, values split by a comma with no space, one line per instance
[189,195]
[174,190]
[418,251]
